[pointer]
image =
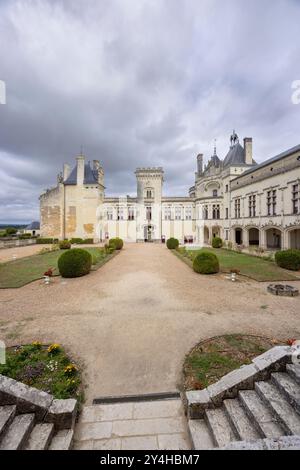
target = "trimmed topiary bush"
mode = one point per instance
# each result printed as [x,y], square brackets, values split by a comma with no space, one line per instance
[64,245]
[117,243]
[75,263]
[206,263]
[288,259]
[217,242]
[172,243]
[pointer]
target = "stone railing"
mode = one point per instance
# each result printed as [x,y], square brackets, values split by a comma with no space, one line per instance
[14,243]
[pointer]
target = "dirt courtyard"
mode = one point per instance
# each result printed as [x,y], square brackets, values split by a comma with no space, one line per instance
[130,324]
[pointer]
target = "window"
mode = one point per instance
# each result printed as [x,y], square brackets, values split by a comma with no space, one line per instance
[109,214]
[227,213]
[215,193]
[216,211]
[130,213]
[252,206]
[188,213]
[167,213]
[177,213]
[237,208]
[226,188]
[226,234]
[296,198]
[205,212]
[271,202]
[120,213]
[149,193]
[149,213]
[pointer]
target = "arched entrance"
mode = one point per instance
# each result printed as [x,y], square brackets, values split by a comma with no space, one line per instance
[238,236]
[215,231]
[273,238]
[254,236]
[294,241]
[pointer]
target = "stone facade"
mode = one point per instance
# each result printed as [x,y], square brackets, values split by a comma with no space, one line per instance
[244,203]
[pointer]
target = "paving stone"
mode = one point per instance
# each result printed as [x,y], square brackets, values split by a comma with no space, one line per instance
[243,445]
[148,427]
[40,437]
[173,442]
[200,435]
[240,421]
[286,415]
[219,426]
[294,371]
[62,440]
[111,412]
[289,387]
[7,414]
[260,415]
[96,431]
[139,443]
[18,432]
[158,409]
[62,413]
[107,444]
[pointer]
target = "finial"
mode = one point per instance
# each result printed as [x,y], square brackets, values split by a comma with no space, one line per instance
[215,148]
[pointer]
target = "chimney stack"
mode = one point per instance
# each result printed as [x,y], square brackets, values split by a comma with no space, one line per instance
[248,147]
[200,164]
[66,171]
[80,169]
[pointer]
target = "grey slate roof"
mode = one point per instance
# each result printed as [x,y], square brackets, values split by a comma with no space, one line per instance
[273,159]
[90,176]
[235,156]
[33,226]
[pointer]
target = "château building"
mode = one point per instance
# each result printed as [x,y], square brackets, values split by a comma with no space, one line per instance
[243,202]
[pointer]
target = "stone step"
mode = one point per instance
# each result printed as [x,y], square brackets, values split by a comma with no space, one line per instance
[40,437]
[276,401]
[7,414]
[289,387]
[219,426]
[264,421]
[239,420]
[17,434]
[294,372]
[62,440]
[281,443]
[200,435]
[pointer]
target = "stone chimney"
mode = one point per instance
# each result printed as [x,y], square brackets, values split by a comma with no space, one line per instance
[96,165]
[66,171]
[248,150]
[200,164]
[80,169]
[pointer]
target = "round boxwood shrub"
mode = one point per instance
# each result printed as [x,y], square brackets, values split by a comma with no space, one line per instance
[206,263]
[117,243]
[172,243]
[217,242]
[75,263]
[64,245]
[288,259]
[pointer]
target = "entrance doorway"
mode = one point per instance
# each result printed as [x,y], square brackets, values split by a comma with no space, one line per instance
[238,236]
[148,229]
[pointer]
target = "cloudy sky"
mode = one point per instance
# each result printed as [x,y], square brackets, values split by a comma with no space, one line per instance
[140,83]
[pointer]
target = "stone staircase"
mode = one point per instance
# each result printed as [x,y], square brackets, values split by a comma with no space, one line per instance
[255,407]
[34,420]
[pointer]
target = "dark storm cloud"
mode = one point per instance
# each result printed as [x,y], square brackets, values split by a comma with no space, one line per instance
[140,82]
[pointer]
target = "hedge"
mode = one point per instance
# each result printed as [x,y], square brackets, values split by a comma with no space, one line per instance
[116,242]
[172,243]
[64,245]
[288,259]
[45,241]
[217,242]
[206,263]
[75,263]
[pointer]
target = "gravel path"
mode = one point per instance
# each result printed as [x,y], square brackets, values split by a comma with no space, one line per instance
[130,323]
[6,254]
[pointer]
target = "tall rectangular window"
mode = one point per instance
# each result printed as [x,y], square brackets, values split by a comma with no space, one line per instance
[109,214]
[177,213]
[130,213]
[188,213]
[237,208]
[296,198]
[149,213]
[120,213]
[205,212]
[271,202]
[167,213]
[252,206]
[216,211]
[227,213]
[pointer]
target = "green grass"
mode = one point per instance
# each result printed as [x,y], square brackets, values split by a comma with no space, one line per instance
[33,365]
[24,270]
[210,360]
[251,266]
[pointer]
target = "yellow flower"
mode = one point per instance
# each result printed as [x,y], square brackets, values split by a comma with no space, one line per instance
[37,344]
[53,348]
[71,369]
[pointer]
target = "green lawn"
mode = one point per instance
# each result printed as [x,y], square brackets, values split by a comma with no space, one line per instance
[251,266]
[24,270]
